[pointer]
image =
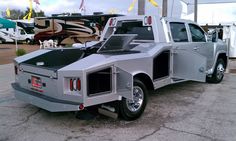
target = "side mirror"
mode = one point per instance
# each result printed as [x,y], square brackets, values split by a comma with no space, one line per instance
[212,37]
[209,38]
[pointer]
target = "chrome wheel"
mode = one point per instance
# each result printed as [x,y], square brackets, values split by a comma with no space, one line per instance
[220,71]
[133,109]
[136,104]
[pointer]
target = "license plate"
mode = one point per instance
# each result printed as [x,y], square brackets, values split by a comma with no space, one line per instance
[36,82]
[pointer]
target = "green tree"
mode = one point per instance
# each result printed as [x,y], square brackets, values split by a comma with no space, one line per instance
[34,14]
[18,14]
[15,14]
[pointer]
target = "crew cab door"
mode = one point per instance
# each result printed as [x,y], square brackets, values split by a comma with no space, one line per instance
[187,64]
[200,43]
[124,83]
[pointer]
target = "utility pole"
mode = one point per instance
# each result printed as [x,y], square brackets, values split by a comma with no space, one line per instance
[141,7]
[195,10]
[164,8]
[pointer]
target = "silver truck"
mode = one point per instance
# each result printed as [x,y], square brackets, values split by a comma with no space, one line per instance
[134,55]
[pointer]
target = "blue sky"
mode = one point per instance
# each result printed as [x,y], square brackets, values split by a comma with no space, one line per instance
[208,13]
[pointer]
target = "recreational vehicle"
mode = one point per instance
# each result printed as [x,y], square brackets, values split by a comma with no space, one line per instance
[70,29]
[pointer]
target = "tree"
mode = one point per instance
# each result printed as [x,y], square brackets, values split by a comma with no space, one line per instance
[34,14]
[15,14]
[18,14]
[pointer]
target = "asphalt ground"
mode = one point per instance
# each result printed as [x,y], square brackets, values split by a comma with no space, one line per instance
[188,111]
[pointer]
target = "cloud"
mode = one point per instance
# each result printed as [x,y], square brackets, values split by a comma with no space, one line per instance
[208,13]
[217,13]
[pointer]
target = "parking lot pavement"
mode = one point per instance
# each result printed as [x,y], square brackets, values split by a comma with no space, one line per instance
[188,111]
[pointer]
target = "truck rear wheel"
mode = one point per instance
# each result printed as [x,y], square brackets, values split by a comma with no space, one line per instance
[133,109]
[218,73]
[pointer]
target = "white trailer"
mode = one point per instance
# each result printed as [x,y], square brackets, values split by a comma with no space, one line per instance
[18,33]
[230,36]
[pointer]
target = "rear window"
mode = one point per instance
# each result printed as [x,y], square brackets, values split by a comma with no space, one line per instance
[178,32]
[135,27]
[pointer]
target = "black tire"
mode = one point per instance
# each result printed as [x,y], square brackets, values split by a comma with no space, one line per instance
[28,41]
[125,111]
[218,73]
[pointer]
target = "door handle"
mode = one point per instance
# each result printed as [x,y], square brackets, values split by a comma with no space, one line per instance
[196,48]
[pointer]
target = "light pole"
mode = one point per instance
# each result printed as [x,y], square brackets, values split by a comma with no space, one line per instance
[195,10]
[141,7]
[164,8]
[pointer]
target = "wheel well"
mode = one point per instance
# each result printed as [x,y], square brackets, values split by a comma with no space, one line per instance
[146,80]
[224,57]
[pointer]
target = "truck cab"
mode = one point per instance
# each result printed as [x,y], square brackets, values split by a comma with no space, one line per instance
[134,55]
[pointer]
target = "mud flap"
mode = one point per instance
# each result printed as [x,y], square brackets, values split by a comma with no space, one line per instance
[124,83]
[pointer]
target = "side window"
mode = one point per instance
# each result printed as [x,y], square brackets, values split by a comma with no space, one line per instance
[47,23]
[178,32]
[143,32]
[22,32]
[197,33]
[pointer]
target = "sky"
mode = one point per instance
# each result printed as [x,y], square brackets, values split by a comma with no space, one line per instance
[207,13]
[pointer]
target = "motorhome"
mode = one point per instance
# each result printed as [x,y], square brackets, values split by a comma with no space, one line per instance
[11,34]
[70,28]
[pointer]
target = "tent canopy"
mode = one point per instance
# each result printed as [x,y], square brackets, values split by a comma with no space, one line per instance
[4,23]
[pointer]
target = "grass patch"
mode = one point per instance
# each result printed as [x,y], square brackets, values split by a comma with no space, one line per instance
[20,52]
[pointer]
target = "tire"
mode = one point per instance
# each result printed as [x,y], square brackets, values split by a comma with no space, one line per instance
[218,73]
[128,110]
[28,41]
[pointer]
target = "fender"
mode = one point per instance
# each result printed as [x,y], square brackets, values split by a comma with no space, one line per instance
[211,70]
[144,77]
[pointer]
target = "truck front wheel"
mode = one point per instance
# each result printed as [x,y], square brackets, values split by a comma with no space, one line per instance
[133,109]
[28,41]
[218,73]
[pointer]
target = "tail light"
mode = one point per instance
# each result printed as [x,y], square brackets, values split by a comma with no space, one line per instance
[78,84]
[75,84]
[71,85]
[81,106]
[147,20]
[112,22]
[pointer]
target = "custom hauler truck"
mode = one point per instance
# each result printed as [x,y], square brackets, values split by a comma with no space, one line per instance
[134,55]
